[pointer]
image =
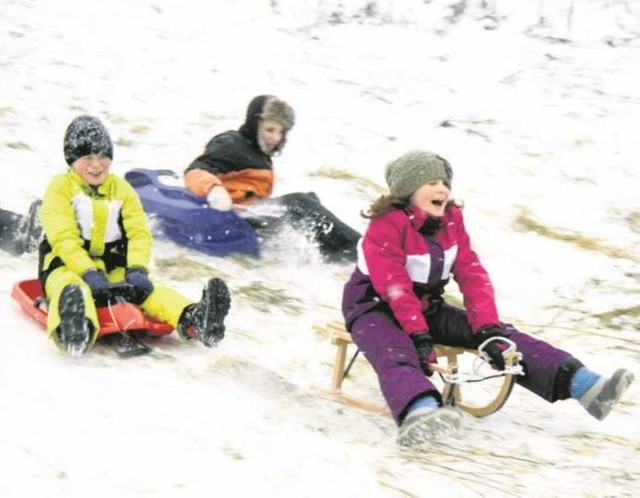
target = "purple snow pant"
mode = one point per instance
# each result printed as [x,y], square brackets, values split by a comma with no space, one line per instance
[394,359]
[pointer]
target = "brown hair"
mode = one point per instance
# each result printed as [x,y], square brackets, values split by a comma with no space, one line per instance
[386,203]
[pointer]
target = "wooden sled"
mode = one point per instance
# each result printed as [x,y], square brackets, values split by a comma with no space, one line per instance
[451,376]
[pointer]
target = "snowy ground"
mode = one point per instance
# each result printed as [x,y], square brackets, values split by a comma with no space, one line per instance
[534,104]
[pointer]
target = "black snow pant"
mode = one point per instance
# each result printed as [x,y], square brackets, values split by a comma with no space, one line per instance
[304,212]
[11,238]
[20,233]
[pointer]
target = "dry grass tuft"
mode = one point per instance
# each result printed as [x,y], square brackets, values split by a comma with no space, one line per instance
[525,222]
[263,298]
[340,174]
[184,269]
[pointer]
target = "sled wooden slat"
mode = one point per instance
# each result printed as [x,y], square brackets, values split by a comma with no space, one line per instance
[451,393]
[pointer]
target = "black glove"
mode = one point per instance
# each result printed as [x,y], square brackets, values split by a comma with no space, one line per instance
[142,286]
[424,346]
[98,283]
[495,348]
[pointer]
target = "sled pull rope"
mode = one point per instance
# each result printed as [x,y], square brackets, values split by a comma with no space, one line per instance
[122,329]
[483,357]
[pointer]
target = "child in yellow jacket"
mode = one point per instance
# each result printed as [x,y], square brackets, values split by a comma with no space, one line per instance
[96,233]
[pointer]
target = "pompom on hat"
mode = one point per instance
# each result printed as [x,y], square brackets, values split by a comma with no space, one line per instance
[84,136]
[413,169]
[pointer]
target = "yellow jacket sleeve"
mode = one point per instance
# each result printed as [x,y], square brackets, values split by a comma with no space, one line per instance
[59,222]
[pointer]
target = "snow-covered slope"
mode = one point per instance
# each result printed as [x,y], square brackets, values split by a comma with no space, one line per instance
[534,103]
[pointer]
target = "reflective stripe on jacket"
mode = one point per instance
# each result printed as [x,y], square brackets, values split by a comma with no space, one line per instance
[84,223]
[399,267]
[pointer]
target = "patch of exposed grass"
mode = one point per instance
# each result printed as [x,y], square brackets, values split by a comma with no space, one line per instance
[525,222]
[617,318]
[18,145]
[139,129]
[246,260]
[232,452]
[113,118]
[5,111]
[184,269]
[633,219]
[596,436]
[263,298]
[258,295]
[124,142]
[340,174]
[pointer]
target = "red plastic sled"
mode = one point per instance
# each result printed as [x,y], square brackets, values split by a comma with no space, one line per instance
[117,317]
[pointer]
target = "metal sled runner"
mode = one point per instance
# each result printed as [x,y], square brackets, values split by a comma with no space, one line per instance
[452,377]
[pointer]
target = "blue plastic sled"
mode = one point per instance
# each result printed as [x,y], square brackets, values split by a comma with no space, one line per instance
[187,219]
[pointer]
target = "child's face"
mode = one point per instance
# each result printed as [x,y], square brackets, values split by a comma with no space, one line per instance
[432,197]
[270,134]
[93,169]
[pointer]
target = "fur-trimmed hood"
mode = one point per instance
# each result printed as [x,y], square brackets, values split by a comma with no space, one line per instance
[267,107]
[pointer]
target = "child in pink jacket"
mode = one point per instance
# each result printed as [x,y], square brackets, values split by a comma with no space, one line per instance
[394,309]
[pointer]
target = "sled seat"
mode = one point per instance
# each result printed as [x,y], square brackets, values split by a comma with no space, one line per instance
[452,392]
[114,318]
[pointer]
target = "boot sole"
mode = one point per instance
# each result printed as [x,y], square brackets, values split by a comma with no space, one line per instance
[218,301]
[74,328]
[431,426]
[610,394]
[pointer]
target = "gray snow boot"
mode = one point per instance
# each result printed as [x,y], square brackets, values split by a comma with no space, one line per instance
[74,331]
[605,393]
[205,319]
[426,424]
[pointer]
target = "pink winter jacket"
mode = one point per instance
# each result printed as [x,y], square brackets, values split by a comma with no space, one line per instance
[394,259]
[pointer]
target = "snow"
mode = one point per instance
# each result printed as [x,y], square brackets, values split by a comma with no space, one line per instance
[535,105]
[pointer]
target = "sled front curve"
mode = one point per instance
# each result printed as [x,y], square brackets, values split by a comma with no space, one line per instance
[188,219]
[119,317]
[452,393]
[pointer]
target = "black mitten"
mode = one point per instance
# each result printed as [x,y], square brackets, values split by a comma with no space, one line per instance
[98,283]
[427,354]
[495,348]
[142,286]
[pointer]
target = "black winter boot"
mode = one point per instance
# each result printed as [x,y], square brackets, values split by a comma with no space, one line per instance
[33,228]
[74,331]
[206,317]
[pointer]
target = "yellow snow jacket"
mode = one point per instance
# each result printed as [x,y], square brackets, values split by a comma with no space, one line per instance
[89,227]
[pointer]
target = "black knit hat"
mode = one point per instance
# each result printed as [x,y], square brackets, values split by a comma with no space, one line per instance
[86,135]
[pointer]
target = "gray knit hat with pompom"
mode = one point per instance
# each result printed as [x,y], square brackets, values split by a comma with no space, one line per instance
[410,171]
